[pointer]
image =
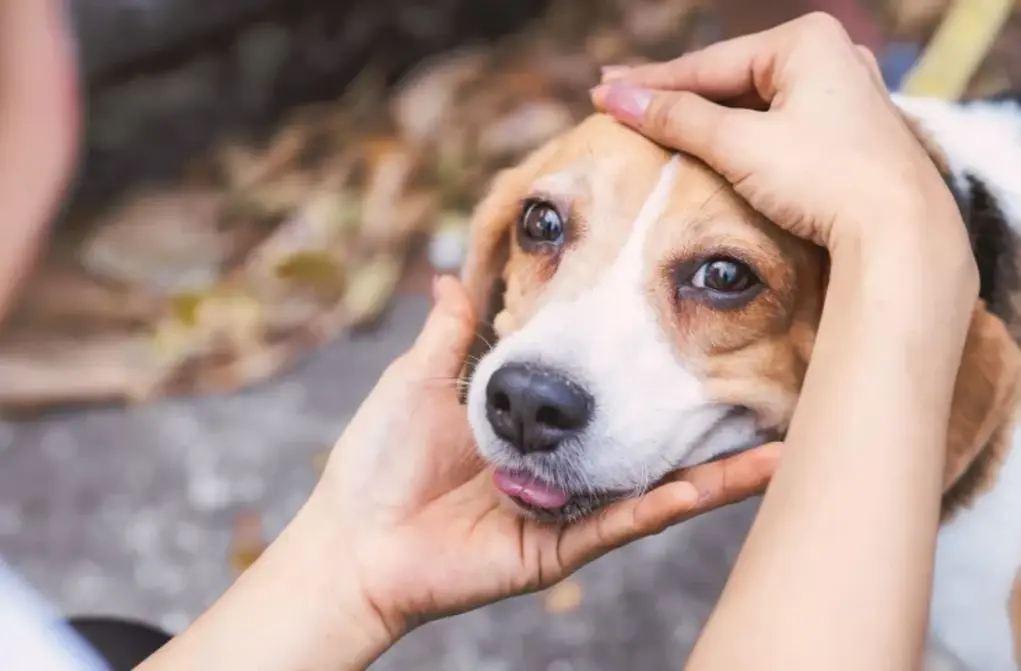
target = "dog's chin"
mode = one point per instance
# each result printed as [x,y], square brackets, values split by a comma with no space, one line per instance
[575,506]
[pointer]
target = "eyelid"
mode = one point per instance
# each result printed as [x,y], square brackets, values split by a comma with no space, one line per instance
[559,203]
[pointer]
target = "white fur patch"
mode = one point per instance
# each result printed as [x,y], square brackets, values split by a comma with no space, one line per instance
[977,560]
[980,138]
[651,415]
[979,550]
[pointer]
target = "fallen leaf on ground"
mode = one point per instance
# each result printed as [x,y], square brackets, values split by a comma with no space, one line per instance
[564,597]
[247,543]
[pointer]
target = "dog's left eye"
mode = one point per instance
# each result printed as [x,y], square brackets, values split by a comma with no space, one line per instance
[724,276]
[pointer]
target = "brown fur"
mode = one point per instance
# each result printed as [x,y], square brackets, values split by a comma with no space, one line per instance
[755,356]
[985,397]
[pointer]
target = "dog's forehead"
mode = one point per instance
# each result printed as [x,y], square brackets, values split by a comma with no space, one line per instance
[599,159]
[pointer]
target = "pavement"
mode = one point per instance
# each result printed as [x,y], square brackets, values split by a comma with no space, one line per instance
[130,512]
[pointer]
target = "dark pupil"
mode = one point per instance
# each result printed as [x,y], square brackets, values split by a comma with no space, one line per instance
[725,276]
[543,224]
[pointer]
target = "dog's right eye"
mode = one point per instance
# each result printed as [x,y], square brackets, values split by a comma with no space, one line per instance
[541,225]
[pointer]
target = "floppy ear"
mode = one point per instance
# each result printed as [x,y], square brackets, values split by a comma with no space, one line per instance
[985,394]
[492,227]
[988,380]
[488,250]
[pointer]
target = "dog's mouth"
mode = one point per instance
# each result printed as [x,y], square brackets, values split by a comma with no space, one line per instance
[549,502]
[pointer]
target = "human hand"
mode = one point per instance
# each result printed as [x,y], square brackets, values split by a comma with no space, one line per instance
[810,138]
[425,528]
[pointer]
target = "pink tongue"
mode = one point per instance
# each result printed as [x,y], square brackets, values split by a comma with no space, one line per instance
[530,490]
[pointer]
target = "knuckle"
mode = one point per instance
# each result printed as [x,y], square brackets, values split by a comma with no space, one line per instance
[821,24]
[664,112]
[660,113]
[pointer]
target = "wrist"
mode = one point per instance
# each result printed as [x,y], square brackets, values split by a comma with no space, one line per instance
[320,546]
[298,606]
[913,266]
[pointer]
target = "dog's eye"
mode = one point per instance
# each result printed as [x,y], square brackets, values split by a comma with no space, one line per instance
[541,224]
[724,276]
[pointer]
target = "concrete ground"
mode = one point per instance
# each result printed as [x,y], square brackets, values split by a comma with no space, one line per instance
[130,512]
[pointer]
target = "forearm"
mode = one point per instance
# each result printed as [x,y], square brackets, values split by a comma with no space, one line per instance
[39,125]
[297,608]
[836,571]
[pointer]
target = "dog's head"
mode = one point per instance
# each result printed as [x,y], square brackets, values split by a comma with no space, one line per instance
[643,319]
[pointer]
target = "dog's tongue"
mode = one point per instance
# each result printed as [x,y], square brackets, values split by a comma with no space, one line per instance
[530,490]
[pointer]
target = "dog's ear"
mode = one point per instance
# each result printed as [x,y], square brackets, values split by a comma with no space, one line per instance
[482,273]
[985,392]
[492,229]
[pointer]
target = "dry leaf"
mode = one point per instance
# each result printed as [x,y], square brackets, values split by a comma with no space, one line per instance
[656,21]
[391,166]
[276,198]
[57,370]
[162,241]
[60,296]
[564,597]
[247,543]
[424,98]
[370,289]
[525,128]
[319,460]
[315,228]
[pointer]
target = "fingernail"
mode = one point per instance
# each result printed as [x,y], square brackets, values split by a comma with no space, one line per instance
[611,72]
[627,103]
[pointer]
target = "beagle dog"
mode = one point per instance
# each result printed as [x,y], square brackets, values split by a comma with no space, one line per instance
[641,318]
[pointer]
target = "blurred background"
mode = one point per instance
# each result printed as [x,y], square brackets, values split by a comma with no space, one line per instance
[265,190]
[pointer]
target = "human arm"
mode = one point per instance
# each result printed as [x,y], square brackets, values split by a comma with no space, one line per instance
[406,526]
[39,127]
[836,571]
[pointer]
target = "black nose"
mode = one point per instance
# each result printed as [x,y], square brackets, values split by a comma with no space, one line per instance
[533,408]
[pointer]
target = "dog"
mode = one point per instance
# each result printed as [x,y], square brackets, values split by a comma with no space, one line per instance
[641,318]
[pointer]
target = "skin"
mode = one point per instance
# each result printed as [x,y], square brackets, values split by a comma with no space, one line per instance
[359,565]
[879,385]
[39,128]
[405,526]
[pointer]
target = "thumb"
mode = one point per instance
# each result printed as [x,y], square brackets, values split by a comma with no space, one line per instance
[723,137]
[449,330]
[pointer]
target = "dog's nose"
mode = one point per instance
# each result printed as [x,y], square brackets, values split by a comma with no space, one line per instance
[535,409]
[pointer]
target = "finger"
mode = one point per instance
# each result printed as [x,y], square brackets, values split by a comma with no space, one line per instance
[869,60]
[733,479]
[750,64]
[732,141]
[625,521]
[609,73]
[721,71]
[443,343]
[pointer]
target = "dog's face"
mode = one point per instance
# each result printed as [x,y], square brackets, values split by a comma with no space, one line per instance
[648,320]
